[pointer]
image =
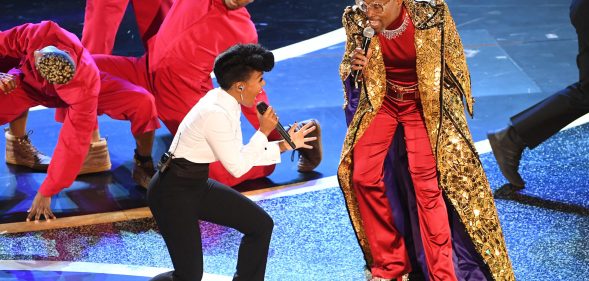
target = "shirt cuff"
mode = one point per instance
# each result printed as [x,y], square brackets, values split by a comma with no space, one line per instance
[271,150]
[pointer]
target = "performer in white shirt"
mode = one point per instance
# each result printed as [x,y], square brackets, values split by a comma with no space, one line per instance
[181,194]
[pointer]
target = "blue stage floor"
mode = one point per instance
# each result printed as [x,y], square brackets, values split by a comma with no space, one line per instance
[518,53]
[546,228]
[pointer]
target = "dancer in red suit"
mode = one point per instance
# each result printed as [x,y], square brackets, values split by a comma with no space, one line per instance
[101,23]
[178,63]
[56,71]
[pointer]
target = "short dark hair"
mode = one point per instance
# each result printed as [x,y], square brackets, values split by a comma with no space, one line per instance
[238,62]
[56,67]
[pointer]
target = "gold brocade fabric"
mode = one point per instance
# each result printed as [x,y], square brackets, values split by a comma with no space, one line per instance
[461,173]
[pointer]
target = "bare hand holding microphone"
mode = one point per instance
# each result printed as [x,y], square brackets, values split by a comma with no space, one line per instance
[294,138]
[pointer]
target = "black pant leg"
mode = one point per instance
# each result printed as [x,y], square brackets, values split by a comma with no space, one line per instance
[224,206]
[544,119]
[579,18]
[174,202]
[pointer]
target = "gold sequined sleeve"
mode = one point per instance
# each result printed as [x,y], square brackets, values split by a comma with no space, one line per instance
[456,59]
[350,22]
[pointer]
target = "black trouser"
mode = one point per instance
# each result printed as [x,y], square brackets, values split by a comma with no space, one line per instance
[544,119]
[182,196]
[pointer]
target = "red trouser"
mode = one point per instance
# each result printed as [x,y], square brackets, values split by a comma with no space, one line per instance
[173,106]
[386,244]
[103,17]
[15,103]
[118,99]
[122,100]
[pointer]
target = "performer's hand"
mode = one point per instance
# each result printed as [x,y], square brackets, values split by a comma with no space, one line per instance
[8,82]
[41,206]
[299,136]
[359,60]
[268,121]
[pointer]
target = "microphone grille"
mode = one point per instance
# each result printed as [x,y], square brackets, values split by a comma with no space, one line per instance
[368,32]
[262,107]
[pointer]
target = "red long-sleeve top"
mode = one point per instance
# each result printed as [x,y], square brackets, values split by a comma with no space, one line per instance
[79,96]
[399,53]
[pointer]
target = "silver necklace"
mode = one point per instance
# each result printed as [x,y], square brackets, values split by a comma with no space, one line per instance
[392,34]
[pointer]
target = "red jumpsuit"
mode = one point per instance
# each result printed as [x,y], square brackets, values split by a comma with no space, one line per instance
[385,241]
[79,96]
[103,17]
[180,61]
[88,93]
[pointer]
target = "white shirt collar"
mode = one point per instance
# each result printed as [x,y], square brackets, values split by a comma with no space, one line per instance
[228,102]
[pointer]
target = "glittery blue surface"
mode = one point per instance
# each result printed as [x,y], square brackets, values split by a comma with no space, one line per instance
[547,223]
[546,227]
[20,275]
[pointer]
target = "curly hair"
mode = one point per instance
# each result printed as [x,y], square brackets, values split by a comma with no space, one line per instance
[238,62]
[56,67]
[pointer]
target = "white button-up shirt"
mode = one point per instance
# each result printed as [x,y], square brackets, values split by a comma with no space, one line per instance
[212,131]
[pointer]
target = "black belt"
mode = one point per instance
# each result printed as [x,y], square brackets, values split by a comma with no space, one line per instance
[184,168]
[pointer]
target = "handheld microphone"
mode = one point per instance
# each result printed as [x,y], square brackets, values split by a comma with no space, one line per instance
[367,35]
[262,107]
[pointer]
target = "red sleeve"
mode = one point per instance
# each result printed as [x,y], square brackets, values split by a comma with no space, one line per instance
[75,135]
[23,40]
[20,40]
[13,41]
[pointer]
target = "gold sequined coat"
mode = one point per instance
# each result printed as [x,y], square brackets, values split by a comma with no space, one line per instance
[461,177]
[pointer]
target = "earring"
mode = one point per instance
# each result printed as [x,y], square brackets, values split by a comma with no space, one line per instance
[241,95]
